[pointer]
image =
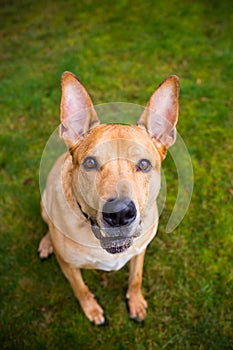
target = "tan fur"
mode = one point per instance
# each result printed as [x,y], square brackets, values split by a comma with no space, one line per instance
[72,193]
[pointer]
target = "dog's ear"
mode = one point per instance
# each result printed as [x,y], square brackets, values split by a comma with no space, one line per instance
[77,110]
[161,114]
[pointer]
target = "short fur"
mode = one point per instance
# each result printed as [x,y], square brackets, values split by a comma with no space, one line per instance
[104,165]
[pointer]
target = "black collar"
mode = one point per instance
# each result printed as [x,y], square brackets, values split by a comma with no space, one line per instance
[94,226]
[84,214]
[87,217]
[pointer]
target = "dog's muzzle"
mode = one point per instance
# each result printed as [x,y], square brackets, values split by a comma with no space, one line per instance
[118,217]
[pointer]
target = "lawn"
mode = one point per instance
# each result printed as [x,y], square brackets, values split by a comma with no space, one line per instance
[121,51]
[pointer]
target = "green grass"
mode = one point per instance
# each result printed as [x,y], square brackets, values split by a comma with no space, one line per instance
[120,52]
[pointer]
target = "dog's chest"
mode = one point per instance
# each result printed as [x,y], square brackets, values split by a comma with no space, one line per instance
[89,254]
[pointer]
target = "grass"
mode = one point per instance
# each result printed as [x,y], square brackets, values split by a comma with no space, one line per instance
[120,51]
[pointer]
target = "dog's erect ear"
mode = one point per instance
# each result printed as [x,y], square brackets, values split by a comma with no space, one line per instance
[161,114]
[77,110]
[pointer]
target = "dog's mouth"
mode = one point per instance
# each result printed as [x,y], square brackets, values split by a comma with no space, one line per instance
[116,245]
[113,245]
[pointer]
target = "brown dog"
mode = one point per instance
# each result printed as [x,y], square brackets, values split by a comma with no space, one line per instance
[100,197]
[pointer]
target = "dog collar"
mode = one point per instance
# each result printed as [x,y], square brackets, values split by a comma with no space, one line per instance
[94,226]
[87,217]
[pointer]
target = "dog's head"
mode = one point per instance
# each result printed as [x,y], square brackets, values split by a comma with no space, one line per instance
[116,168]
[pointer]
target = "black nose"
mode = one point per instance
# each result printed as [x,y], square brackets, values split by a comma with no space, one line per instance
[119,212]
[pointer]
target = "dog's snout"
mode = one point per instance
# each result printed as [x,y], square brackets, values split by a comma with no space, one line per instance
[119,212]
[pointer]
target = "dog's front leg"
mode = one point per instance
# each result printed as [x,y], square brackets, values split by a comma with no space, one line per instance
[136,302]
[91,308]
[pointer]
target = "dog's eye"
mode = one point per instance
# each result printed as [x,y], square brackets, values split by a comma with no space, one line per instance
[90,163]
[144,165]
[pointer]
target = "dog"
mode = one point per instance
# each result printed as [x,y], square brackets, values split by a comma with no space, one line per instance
[100,197]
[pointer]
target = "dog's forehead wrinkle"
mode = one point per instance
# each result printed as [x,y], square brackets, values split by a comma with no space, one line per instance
[106,132]
[124,143]
[117,141]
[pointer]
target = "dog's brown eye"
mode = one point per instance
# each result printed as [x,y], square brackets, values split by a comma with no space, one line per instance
[144,165]
[90,163]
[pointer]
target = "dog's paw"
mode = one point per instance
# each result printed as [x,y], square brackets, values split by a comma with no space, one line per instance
[93,310]
[97,315]
[137,306]
[45,247]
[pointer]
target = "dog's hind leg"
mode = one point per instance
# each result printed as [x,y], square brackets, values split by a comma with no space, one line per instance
[91,308]
[45,247]
[43,210]
[136,302]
